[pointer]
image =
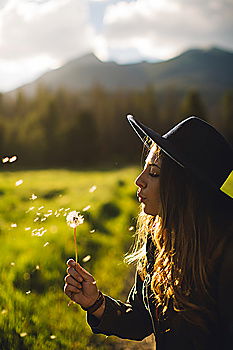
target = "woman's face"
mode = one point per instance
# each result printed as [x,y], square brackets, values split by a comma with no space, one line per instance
[148,183]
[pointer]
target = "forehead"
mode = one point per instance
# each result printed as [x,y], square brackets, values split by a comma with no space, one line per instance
[153,156]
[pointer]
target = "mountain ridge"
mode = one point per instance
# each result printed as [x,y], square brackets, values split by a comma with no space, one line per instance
[201,69]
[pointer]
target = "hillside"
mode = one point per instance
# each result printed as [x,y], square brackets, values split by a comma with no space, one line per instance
[206,70]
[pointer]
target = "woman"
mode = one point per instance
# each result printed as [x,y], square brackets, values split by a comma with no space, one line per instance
[184,249]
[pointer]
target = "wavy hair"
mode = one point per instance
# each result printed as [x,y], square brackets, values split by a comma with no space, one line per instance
[188,238]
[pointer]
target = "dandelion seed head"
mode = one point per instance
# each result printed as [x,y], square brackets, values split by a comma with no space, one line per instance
[19,182]
[74,219]
[93,188]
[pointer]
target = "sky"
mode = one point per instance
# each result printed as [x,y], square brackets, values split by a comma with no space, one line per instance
[40,35]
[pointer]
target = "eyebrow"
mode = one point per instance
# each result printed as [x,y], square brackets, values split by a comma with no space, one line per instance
[154,164]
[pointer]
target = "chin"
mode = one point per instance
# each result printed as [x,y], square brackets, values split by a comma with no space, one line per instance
[149,211]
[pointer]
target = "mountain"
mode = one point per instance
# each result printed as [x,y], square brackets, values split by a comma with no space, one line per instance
[205,70]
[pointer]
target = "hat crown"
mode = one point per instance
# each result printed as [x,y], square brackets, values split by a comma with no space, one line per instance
[203,148]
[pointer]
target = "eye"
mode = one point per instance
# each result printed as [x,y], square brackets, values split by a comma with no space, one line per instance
[153,175]
[153,171]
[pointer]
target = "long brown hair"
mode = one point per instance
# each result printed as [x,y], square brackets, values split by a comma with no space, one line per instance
[188,238]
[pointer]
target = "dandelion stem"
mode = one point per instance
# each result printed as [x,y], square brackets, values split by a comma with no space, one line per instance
[75,244]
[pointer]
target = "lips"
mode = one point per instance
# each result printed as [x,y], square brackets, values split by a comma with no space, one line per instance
[141,198]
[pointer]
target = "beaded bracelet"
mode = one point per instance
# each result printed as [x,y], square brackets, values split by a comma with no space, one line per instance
[99,301]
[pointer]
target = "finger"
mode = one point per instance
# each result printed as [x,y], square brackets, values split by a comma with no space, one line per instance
[71,262]
[68,288]
[84,273]
[71,271]
[70,280]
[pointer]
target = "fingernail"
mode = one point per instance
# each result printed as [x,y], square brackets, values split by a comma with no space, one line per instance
[71,262]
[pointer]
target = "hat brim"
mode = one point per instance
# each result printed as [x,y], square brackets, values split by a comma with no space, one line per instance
[143,131]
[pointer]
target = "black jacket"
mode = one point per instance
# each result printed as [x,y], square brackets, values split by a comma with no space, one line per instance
[138,317]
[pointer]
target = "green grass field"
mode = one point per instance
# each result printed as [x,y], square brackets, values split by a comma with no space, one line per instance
[35,243]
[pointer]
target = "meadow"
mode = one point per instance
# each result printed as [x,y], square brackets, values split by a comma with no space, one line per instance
[35,243]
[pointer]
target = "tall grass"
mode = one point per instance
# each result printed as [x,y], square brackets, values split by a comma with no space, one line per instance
[34,312]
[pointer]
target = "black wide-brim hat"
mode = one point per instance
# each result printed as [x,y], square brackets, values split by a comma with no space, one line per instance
[196,146]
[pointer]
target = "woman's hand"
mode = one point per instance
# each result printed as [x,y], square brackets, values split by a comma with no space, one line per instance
[80,285]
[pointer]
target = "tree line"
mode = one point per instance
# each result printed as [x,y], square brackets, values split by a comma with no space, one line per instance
[64,129]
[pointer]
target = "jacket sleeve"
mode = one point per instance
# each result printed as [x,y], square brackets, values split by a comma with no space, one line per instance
[130,320]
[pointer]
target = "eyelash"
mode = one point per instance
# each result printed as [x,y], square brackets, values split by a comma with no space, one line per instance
[154,175]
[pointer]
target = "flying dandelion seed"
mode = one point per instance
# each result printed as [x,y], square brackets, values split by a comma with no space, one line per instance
[74,219]
[13,159]
[92,231]
[47,215]
[12,263]
[67,209]
[33,197]
[5,159]
[37,267]
[36,219]
[42,207]
[23,334]
[28,292]
[30,209]
[86,258]
[45,245]
[53,336]
[61,209]
[27,228]
[50,211]
[131,228]
[4,311]
[86,208]
[43,219]
[92,189]
[19,182]
[13,225]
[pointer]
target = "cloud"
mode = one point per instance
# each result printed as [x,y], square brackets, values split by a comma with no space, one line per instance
[59,29]
[38,34]
[166,27]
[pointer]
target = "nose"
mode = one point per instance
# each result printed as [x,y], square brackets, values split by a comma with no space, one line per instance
[140,180]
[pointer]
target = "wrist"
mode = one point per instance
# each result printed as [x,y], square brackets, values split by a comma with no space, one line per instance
[97,304]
